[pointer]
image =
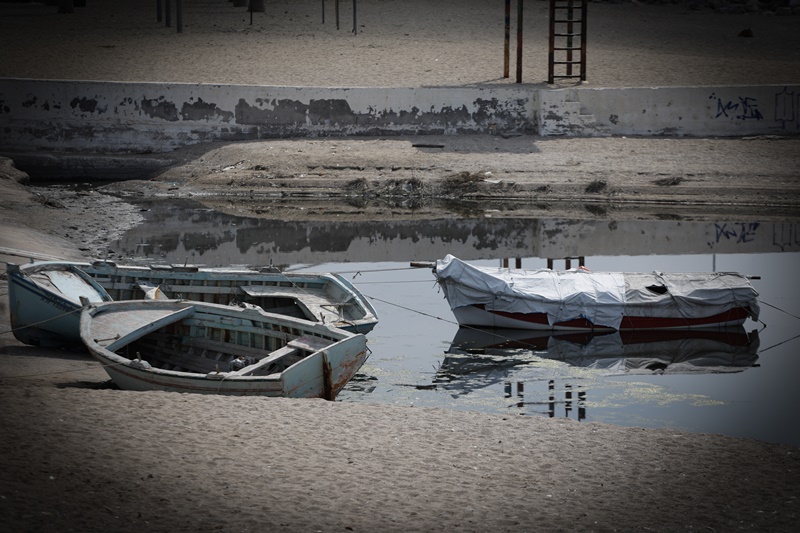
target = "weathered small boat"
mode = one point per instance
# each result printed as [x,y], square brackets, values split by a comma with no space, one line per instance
[580,300]
[318,297]
[45,302]
[185,346]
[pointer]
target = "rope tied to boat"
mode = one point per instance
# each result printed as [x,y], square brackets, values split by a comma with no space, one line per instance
[42,321]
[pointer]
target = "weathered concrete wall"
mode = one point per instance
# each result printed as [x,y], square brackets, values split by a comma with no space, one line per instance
[158,117]
[109,116]
[677,111]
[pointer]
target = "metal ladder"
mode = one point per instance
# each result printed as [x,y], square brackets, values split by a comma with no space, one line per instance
[567,39]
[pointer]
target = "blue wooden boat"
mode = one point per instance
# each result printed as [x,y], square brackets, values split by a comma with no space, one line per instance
[37,303]
[185,346]
[45,302]
[326,298]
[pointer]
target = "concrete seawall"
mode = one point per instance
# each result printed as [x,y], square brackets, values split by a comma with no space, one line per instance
[120,117]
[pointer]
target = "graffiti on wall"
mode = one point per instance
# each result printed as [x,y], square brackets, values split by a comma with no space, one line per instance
[786,108]
[785,235]
[739,232]
[741,108]
[746,108]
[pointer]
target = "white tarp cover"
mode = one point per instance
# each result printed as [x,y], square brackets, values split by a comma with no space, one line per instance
[600,297]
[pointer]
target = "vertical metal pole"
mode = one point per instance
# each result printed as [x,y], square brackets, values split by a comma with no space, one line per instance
[336,10]
[519,41]
[167,13]
[570,29]
[355,19]
[179,15]
[584,12]
[568,397]
[507,38]
[250,8]
[518,262]
[323,11]
[551,56]
[159,10]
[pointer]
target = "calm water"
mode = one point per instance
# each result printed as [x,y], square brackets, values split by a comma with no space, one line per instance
[742,385]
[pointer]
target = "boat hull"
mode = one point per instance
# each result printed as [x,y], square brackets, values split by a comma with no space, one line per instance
[44,297]
[119,335]
[478,316]
[319,297]
[45,305]
[580,300]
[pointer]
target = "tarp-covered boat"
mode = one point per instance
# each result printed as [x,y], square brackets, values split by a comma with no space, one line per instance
[580,300]
[184,346]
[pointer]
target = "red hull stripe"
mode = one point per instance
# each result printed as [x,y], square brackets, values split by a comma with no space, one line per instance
[630,322]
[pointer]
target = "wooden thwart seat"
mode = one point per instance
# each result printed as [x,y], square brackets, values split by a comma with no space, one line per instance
[307,343]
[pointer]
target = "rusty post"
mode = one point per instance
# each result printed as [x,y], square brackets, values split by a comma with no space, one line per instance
[327,378]
[179,15]
[518,262]
[167,13]
[355,19]
[519,40]
[549,263]
[159,10]
[336,12]
[567,263]
[507,38]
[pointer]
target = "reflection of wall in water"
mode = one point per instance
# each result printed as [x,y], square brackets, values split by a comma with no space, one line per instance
[563,238]
[208,237]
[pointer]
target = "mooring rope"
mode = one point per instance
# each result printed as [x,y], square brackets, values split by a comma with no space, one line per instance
[779,309]
[480,330]
[42,321]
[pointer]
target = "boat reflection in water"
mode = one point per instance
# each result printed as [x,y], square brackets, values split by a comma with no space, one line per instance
[480,358]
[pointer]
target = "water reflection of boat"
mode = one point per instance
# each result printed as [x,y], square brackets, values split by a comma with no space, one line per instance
[475,351]
[579,300]
[318,297]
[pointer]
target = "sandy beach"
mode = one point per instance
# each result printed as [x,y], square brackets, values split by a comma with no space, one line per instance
[79,455]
